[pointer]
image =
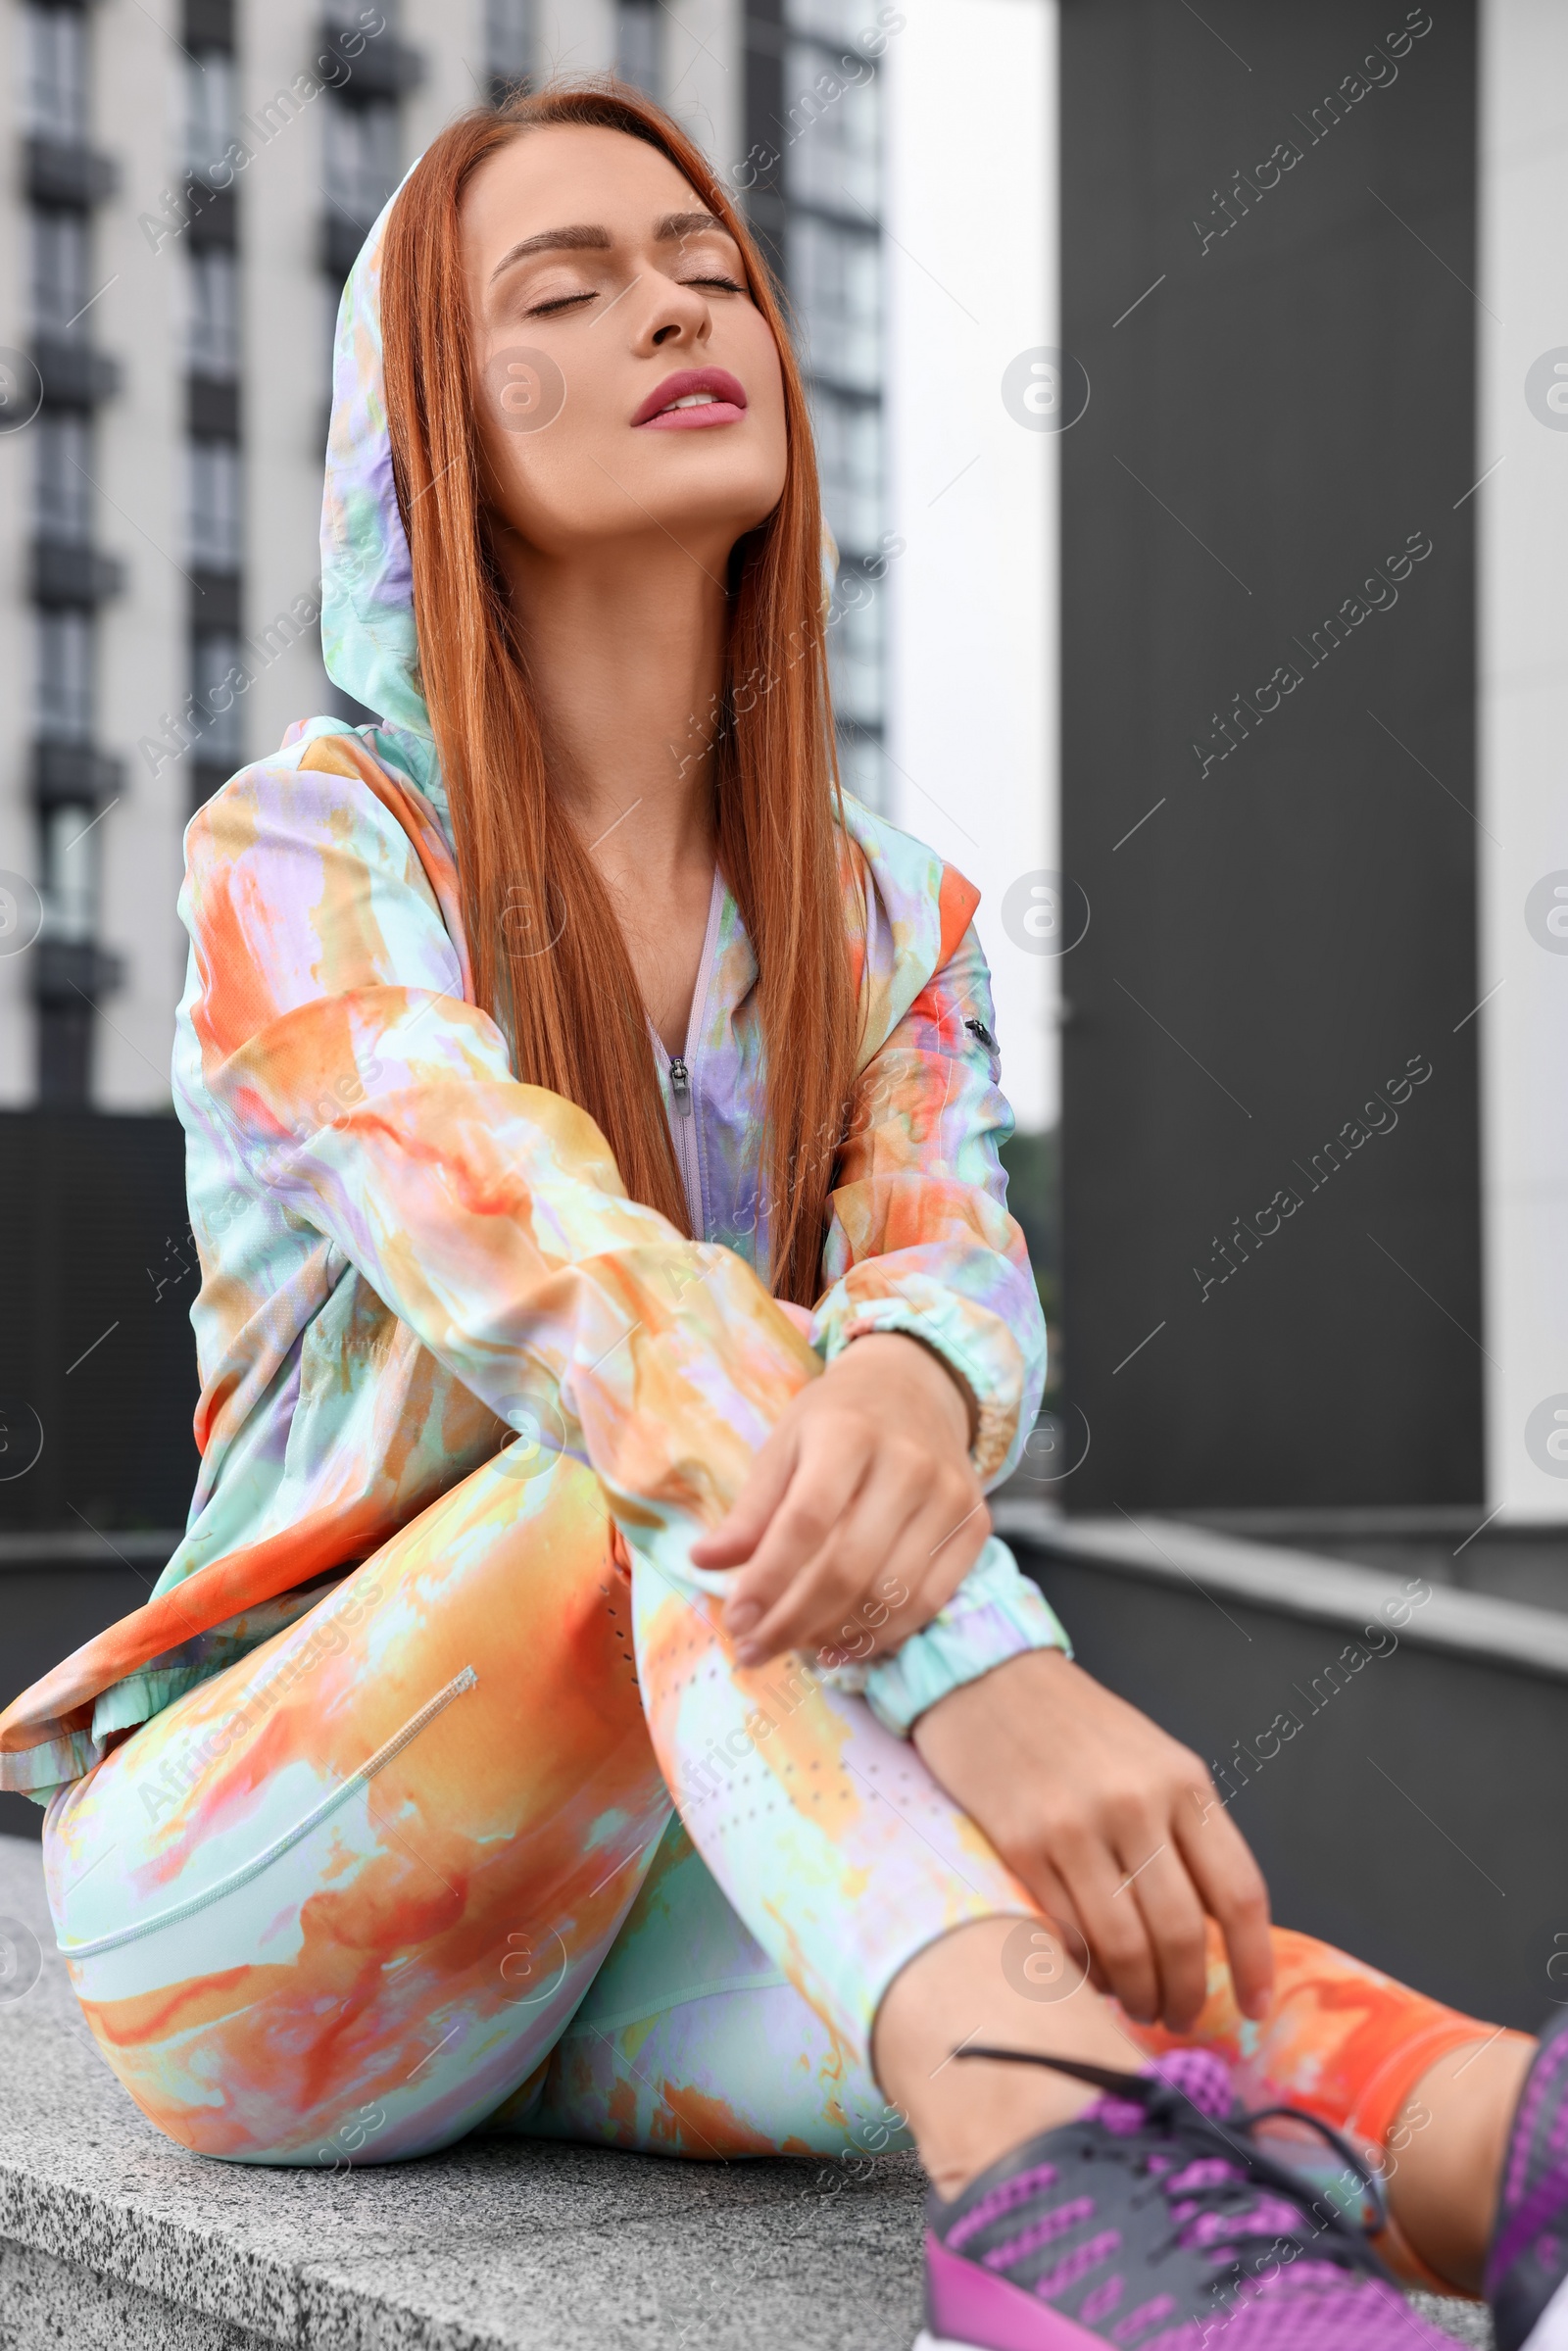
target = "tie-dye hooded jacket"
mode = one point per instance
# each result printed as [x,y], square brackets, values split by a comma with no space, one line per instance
[409,1260]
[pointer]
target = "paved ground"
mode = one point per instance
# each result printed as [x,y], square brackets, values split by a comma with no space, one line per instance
[111,2239]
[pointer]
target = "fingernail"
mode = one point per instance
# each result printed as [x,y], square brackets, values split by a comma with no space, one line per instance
[741,1617]
[749,1652]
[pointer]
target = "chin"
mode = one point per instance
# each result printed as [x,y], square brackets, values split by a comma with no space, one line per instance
[712,499]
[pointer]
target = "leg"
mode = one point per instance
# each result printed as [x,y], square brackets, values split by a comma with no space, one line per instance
[391,1972]
[361,1879]
[1427,2091]
[692,2042]
[857,1873]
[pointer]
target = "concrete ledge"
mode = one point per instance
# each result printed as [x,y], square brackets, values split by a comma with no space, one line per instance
[1293,1583]
[58,2302]
[111,2236]
[112,2239]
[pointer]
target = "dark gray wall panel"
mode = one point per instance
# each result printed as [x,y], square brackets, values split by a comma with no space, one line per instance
[1370,1819]
[97,1276]
[1284,412]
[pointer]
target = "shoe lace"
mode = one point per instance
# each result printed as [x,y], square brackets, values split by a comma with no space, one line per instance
[1216,2180]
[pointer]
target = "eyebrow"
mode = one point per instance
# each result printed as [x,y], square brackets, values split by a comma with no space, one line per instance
[588,237]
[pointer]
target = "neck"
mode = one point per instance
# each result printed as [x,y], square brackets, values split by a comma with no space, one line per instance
[625,649]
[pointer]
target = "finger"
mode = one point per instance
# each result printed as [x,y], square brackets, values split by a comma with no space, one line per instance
[897,1557]
[967,1530]
[943,1543]
[1112,1926]
[740,1531]
[827,1474]
[899,1589]
[1057,1903]
[1233,1891]
[1173,1918]
[923,1566]
[822,1602]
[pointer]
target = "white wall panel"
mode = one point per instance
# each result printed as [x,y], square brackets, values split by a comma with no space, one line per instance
[1523,536]
[971,258]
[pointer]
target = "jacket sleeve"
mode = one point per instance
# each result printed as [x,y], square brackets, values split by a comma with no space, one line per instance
[919,1238]
[351,1078]
[355,1081]
[920,1241]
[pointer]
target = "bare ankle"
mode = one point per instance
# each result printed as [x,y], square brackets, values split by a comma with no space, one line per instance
[971,1986]
[1446,2152]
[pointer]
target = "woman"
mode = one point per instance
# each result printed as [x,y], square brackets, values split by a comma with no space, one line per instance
[463,1771]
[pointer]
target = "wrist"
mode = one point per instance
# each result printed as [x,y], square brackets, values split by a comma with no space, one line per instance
[995,1618]
[906,1357]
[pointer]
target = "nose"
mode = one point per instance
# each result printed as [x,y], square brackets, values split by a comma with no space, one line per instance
[678,315]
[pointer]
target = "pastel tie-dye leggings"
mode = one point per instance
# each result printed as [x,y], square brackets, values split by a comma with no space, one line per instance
[413,1868]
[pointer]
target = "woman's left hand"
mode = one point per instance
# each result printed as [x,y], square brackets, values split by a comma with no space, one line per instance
[861,1514]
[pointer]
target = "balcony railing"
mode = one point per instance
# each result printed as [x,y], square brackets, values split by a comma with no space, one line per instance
[212,408]
[74,775]
[385,67]
[67,173]
[341,239]
[68,572]
[66,971]
[75,376]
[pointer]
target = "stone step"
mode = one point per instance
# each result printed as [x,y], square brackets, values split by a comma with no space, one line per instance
[111,2236]
[113,2240]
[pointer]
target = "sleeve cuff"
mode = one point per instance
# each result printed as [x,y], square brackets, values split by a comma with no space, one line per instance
[838,1322]
[994,1614]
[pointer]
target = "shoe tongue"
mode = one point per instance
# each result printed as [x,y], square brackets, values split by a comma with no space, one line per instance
[1200,2076]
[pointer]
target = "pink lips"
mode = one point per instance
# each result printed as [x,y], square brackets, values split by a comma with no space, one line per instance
[725,403]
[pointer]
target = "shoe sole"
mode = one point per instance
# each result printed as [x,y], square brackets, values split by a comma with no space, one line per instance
[1063,2332]
[1550,2331]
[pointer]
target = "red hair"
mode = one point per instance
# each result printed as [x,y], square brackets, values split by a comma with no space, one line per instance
[575,1015]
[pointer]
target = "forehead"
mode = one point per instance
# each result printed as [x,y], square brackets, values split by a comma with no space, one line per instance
[571,173]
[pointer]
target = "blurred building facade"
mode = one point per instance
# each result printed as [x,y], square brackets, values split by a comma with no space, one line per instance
[182,188]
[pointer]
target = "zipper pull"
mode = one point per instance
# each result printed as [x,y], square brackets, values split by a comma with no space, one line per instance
[680,1086]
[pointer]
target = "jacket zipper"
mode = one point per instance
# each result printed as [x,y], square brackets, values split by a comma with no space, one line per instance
[682,1092]
[684,1137]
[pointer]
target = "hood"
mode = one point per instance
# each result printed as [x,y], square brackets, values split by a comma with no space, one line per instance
[368,635]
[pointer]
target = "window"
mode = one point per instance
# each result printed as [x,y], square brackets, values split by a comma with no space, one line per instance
[213,508]
[637,44]
[212,340]
[849,451]
[362,158]
[55,86]
[212,111]
[70,871]
[218,714]
[58,257]
[508,41]
[63,678]
[860,769]
[62,489]
[855,652]
[842,23]
[832,141]
[835,276]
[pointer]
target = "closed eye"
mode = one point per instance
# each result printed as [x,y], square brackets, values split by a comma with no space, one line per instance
[560,302]
[728,284]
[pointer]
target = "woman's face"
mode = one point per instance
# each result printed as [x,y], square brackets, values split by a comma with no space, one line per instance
[626,382]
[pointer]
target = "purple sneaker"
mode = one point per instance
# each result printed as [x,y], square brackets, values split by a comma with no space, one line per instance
[1155,2222]
[1527,2268]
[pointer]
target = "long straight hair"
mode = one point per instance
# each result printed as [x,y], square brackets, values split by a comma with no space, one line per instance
[549,959]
